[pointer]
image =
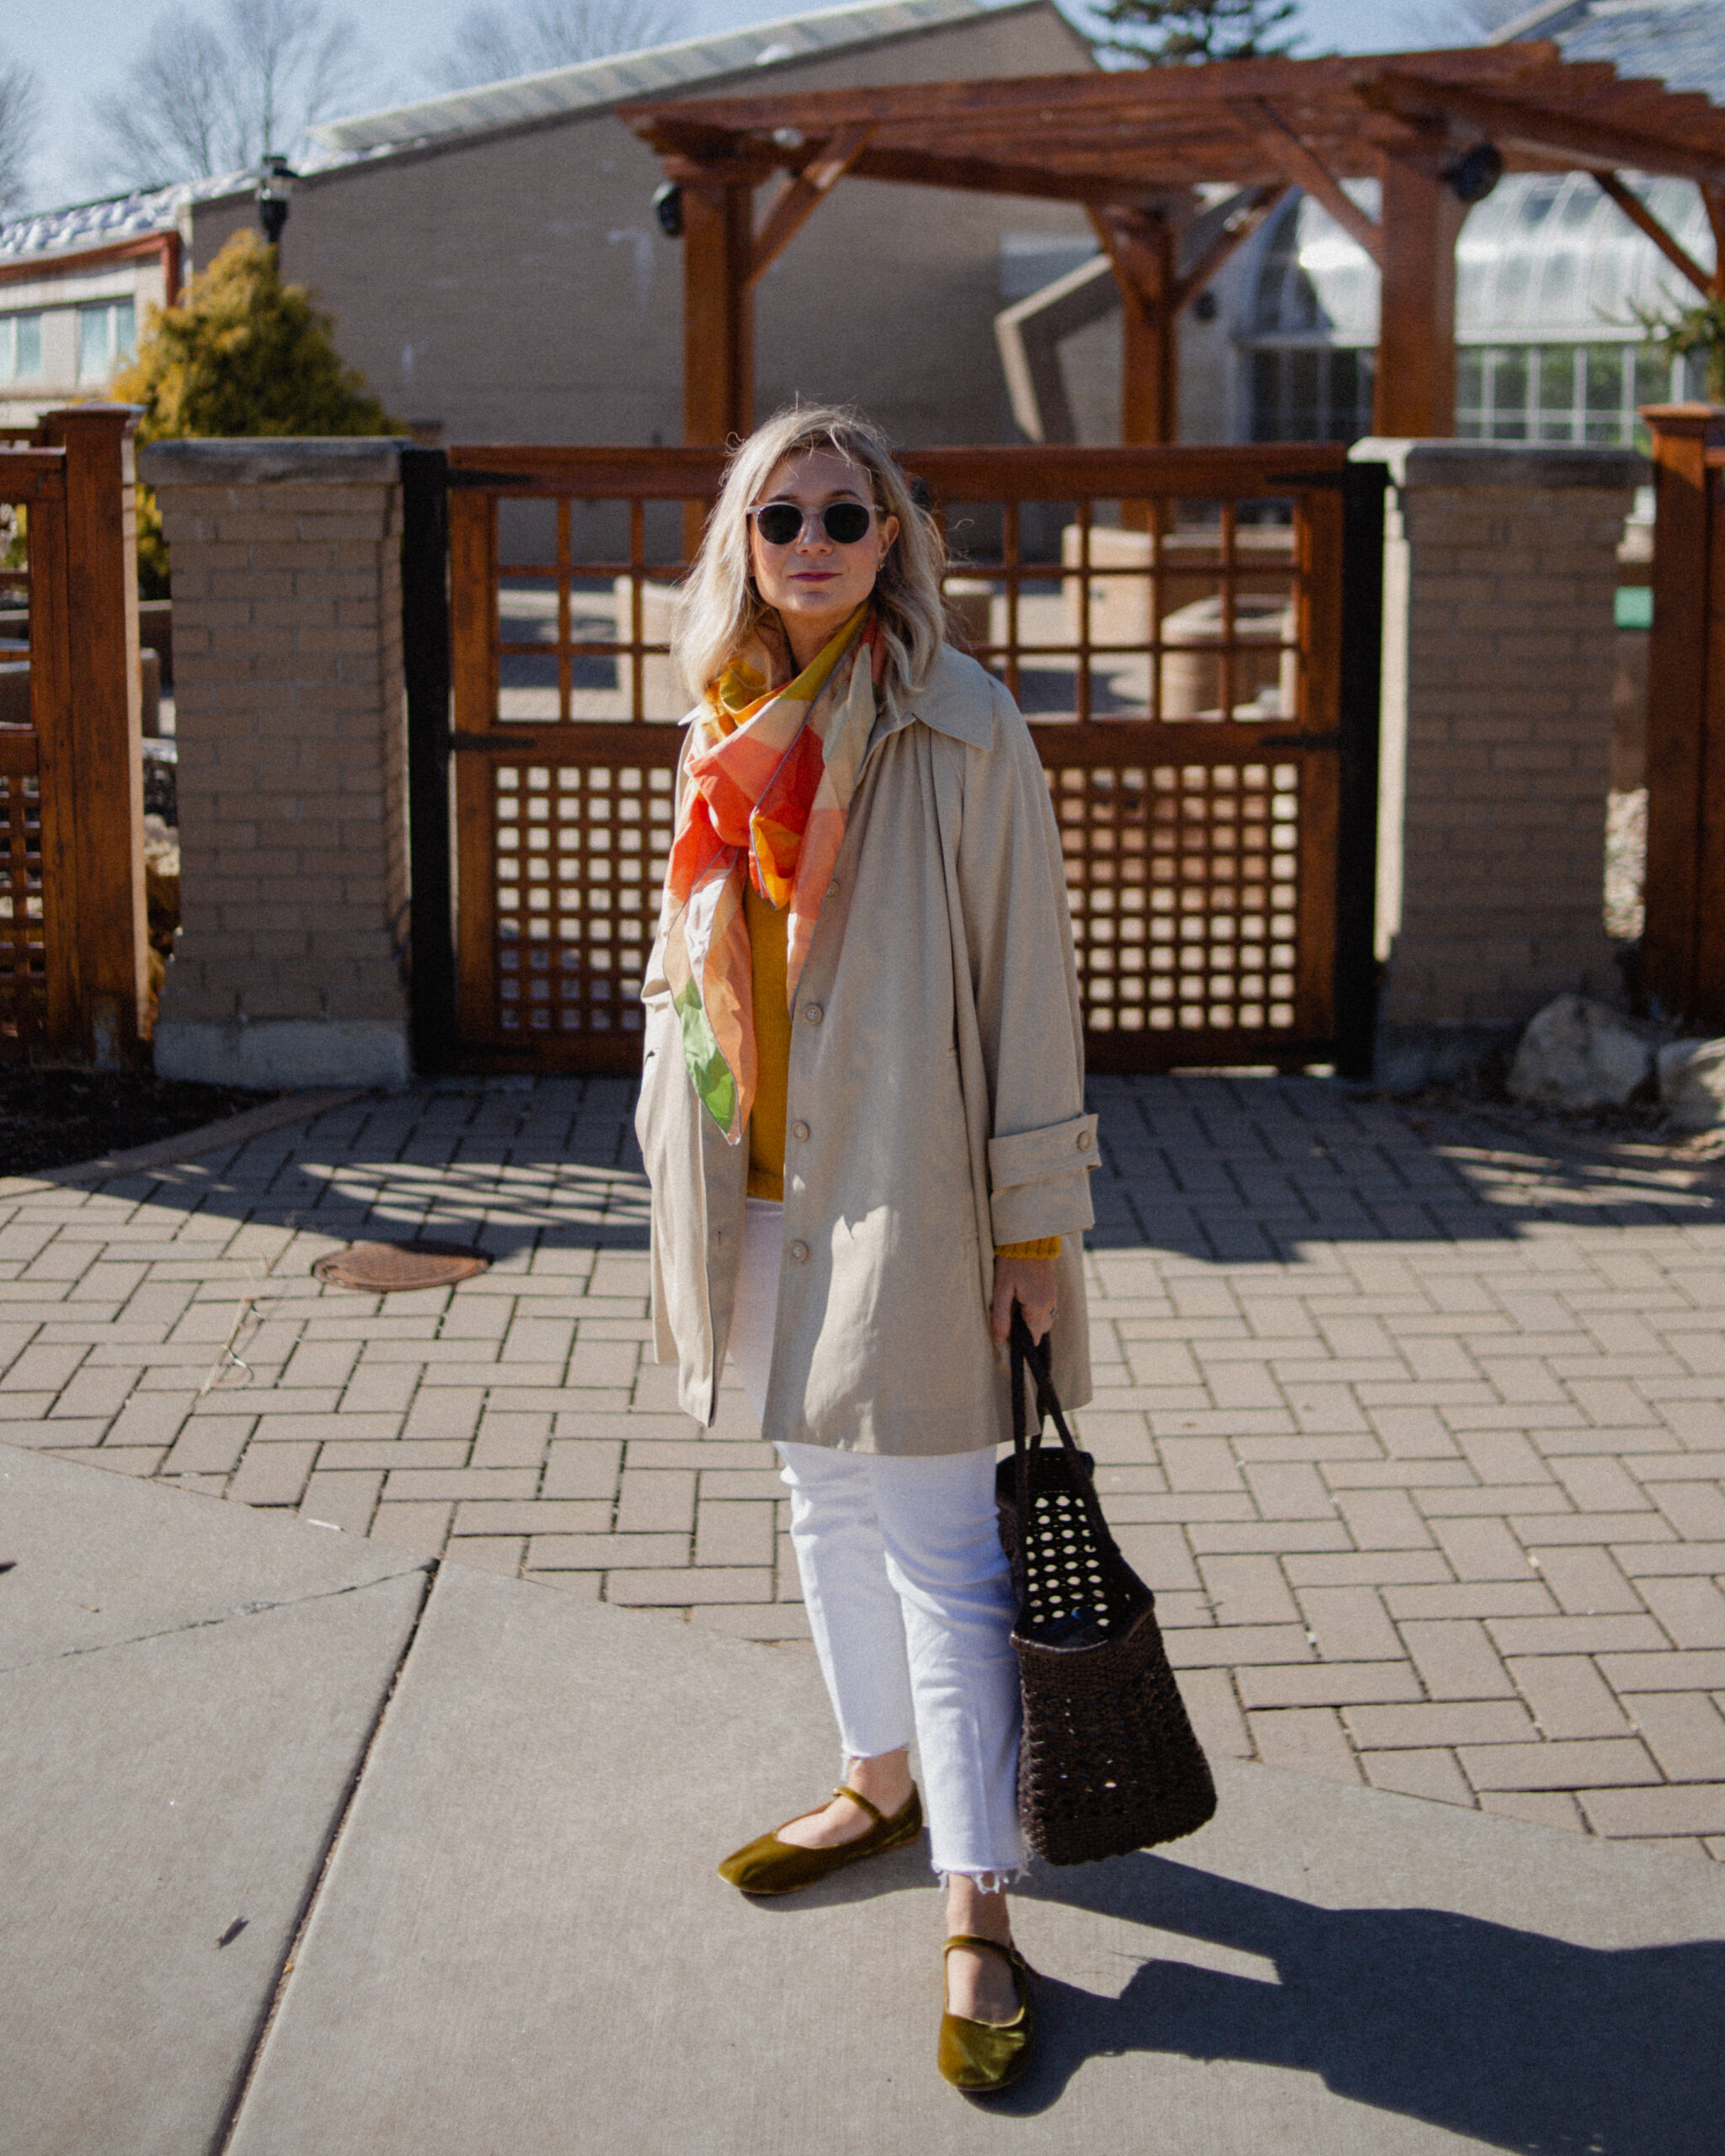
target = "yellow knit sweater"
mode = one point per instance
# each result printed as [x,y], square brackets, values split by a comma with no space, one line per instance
[767,930]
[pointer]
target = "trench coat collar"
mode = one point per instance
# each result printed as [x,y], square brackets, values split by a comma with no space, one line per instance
[954,701]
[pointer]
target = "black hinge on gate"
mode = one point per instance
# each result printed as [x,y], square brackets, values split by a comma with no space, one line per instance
[425,665]
[1332,741]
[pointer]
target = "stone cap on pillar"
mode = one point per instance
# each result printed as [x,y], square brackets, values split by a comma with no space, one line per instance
[1464,465]
[338,460]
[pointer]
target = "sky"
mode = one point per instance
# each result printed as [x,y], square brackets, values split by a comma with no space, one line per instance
[79,48]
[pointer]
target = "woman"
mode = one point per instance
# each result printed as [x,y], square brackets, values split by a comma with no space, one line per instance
[862,1115]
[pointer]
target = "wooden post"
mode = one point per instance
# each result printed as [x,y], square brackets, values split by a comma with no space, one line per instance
[1420,220]
[718,310]
[1143,248]
[106,741]
[1150,387]
[1684,877]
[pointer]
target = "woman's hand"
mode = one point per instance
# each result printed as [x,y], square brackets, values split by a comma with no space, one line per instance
[1029,1282]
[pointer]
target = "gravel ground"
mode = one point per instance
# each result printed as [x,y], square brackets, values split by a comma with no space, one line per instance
[52,1118]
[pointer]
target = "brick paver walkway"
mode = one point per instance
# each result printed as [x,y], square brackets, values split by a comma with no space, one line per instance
[1417,1424]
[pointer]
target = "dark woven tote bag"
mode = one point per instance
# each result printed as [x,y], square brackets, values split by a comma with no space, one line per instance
[1108,1762]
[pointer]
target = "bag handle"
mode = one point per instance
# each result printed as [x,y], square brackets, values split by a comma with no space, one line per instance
[1026,1352]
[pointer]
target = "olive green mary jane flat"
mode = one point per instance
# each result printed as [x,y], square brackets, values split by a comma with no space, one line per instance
[768,1866]
[982,2056]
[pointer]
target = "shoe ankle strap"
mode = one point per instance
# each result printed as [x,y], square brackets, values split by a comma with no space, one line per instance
[1007,1952]
[857,1797]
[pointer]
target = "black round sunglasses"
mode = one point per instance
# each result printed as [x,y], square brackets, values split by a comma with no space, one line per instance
[845,523]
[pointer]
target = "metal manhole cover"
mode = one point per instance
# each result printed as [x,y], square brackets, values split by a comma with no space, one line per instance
[384,1269]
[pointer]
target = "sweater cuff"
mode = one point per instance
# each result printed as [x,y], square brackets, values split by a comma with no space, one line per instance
[1041,1246]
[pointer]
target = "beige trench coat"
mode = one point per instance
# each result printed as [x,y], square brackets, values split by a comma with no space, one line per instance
[936,1106]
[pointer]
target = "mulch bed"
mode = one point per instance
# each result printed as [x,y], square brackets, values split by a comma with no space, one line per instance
[55,1118]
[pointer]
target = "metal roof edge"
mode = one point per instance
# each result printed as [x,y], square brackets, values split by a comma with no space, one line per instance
[345,137]
[1548,16]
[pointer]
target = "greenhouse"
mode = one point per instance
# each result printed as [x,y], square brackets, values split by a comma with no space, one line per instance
[1551,280]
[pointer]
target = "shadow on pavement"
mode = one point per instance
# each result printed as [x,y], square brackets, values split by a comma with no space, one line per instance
[1505,2036]
[1234,1168]
[1223,1169]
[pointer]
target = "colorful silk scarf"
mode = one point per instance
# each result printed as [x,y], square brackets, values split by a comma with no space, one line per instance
[767,788]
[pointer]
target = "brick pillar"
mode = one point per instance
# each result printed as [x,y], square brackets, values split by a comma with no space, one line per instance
[1499,658]
[292,771]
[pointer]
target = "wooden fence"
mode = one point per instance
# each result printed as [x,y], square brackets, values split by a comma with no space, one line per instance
[72,949]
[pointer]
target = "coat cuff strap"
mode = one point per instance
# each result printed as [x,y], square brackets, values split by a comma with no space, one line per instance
[1034,1155]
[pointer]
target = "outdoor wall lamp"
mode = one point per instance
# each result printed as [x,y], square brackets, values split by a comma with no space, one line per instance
[668,208]
[274,185]
[1475,172]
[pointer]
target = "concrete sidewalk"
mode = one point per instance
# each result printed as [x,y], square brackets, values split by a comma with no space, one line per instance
[1416,1422]
[311,1848]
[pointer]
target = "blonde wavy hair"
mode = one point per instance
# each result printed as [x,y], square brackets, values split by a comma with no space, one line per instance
[720,607]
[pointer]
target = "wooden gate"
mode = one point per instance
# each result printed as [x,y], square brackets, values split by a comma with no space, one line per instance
[1194,634]
[72,950]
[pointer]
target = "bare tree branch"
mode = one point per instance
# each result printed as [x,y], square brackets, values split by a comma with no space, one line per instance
[203,99]
[491,44]
[171,119]
[294,61]
[20,119]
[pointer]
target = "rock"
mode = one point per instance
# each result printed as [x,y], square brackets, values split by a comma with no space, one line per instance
[1577,1054]
[1692,1083]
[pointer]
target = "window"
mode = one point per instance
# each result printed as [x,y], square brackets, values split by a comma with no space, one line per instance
[20,347]
[1310,392]
[107,335]
[1557,392]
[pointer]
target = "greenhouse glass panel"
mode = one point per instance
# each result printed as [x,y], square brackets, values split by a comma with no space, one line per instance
[1607,420]
[1556,379]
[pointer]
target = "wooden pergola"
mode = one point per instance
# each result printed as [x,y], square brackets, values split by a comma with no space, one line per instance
[1130,146]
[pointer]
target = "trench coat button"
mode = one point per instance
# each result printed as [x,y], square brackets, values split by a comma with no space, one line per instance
[1084,1141]
[798,1252]
[812,1014]
[799,1131]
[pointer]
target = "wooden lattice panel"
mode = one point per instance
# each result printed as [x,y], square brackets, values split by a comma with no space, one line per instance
[23,950]
[580,851]
[1184,881]
[1169,621]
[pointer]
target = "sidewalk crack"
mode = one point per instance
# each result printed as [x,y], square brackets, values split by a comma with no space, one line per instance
[222,1617]
[228,2126]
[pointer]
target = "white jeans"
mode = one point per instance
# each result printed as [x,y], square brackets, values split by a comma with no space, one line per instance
[910,1599]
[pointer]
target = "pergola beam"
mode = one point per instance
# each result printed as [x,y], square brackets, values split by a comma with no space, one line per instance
[1236,230]
[1032,100]
[1122,144]
[1303,166]
[1637,212]
[996,176]
[802,196]
[1541,131]
[1713,200]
